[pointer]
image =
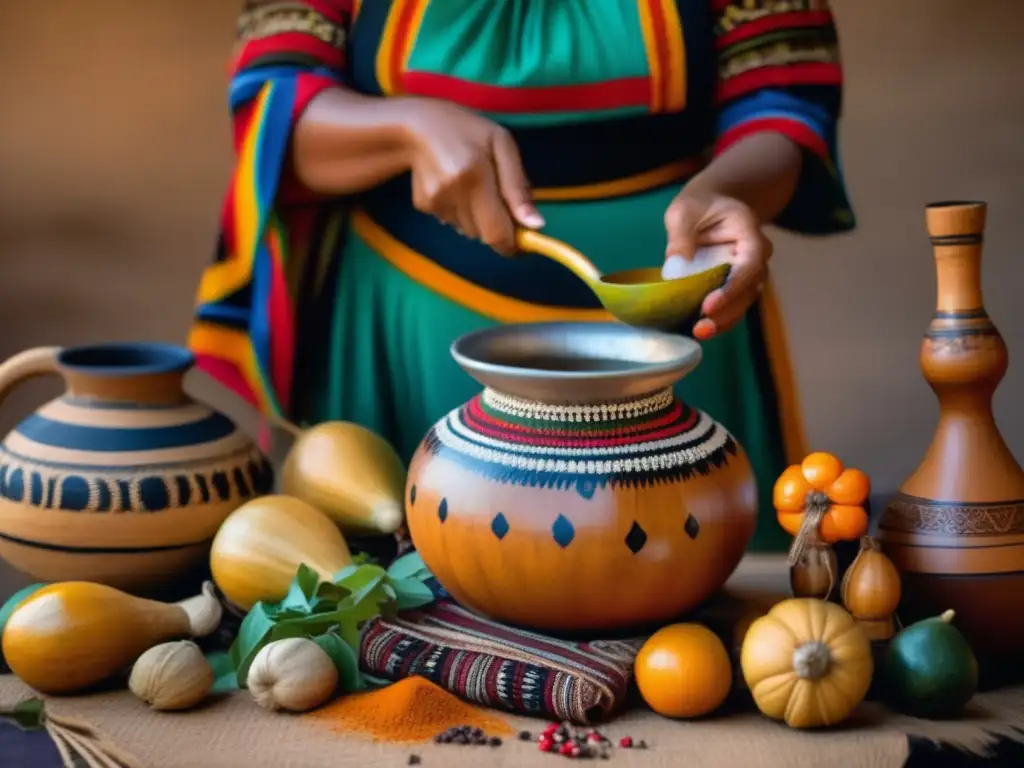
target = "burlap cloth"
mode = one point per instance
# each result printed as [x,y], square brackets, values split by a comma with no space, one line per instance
[232,731]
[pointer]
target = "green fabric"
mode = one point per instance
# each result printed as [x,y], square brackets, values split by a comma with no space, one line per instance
[528,120]
[388,365]
[534,44]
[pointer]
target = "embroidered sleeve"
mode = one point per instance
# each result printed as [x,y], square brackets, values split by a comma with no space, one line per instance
[308,38]
[779,70]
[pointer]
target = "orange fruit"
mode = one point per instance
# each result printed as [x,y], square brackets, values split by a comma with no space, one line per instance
[843,523]
[683,670]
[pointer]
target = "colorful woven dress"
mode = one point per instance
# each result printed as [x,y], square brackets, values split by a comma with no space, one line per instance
[344,308]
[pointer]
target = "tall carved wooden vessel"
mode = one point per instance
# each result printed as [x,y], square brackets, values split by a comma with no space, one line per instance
[123,479]
[956,528]
[576,493]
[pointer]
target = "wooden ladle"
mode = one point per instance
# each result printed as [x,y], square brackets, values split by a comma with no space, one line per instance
[638,297]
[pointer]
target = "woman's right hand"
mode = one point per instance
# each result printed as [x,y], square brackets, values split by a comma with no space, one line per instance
[467,172]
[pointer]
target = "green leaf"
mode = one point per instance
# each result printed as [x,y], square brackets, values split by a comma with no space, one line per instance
[370,681]
[224,677]
[344,573]
[27,715]
[301,592]
[364,558]
[328,590]
[410,566]
[14,601]
[345,659]
[412,594]
[252,636]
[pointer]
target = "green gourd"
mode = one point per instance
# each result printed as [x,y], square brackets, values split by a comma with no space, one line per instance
[930,670]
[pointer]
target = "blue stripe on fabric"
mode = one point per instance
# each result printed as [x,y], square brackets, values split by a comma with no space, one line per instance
[57,434]
[773,103]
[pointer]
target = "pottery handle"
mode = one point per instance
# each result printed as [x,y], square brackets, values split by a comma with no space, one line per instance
[32,362]
[534,242]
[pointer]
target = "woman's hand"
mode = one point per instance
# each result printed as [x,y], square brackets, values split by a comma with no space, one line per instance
[696,218]
[466,171]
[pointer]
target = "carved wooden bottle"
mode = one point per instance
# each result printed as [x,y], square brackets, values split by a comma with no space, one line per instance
[956,528]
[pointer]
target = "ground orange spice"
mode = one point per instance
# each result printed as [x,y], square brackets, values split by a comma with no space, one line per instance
[409,711]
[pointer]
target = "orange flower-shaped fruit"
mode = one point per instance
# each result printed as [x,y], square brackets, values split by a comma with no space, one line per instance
[820,483]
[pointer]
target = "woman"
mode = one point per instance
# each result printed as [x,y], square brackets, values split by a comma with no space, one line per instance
[387,149]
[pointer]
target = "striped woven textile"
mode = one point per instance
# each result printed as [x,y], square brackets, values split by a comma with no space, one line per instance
[497,666]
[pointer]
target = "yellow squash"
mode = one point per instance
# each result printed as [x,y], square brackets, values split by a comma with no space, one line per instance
[350,473]
[260,546]
[807,662]
[69,636]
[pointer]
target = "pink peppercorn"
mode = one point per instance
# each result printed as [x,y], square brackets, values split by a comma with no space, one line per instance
[626,742]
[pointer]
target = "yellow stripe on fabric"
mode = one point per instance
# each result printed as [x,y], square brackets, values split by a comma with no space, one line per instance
[225,277]
[675,78]
[790,414]
[409,39]
[641,182]
[651,46]
[235,347]
[458,290]
[382,65]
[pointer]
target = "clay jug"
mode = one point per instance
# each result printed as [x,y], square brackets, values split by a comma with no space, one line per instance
[123,479]
[955,530]
[576,493]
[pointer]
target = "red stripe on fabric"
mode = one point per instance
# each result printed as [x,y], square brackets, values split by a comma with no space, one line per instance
[656,434]
[518,694]
[307,87]
[661,48]
[798,131]
[290,42]
[811,73]
[491,680]
[338,11]
[465,663]
[240,121]
[624,92]
[479,413]
[402,27]
[792,20]
[281,316]
[228,375]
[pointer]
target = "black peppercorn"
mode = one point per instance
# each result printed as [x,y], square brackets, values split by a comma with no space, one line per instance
[525,736]
[414,760]
[494,741]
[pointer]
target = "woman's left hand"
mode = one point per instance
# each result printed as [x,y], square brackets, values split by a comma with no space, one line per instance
[697,218]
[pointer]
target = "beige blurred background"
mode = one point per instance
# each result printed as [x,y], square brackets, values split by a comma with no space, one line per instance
[114,152]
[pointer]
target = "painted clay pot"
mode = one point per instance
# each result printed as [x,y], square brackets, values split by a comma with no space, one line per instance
[955,530]
[576,492]
[123,479]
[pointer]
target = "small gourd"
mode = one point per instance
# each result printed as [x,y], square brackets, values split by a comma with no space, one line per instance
[261,545]
[807,662]
[294,674]
[871,590]
[69,636]
[172,676]
[819,502]
[350,473]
